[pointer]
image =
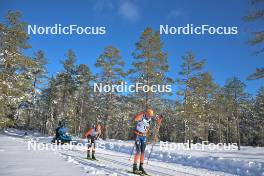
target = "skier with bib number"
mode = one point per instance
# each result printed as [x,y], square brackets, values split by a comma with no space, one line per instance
[142,120]
[92,134]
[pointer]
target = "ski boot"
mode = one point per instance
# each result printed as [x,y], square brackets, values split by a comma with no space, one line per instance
[141,169]
[135,169]
[88,154]
[93,157]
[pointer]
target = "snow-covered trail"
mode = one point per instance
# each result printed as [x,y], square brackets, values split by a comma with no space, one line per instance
[16,159]
[117,163]
[114,158]
[74,161]
[114,162]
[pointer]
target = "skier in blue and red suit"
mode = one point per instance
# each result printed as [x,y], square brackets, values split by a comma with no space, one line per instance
[142,120]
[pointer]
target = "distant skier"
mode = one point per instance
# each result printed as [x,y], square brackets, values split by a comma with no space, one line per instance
[60,125]
[61,135]
[92,134]
[142,120]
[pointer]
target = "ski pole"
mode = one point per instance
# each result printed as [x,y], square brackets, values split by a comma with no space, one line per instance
[153,143]
[150,151]
[132,151]
[156,130]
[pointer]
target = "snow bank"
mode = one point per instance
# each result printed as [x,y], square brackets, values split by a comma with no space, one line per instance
[229,161]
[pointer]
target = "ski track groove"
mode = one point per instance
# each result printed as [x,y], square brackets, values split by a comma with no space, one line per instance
[172,170]
[151,171]
[108,161]
[97,165]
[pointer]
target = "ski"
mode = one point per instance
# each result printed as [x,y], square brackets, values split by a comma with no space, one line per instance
[91,159]
[131,172]
[139,173]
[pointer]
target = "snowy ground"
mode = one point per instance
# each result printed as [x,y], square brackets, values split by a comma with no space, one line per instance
[113,156]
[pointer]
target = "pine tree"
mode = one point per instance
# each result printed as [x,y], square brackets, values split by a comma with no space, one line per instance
[259,117]
[111,64]
[40,71]
[66,85]
[172,127]
[204,88]
[257,15]
[83,98]
[190,72]
[49,106]
[219,108]
[235,92]
[15,76]
[149,67]
[38,75]
[248,123]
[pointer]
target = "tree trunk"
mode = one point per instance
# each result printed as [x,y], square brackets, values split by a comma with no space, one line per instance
[227,131]
[237,123]
[219,130]
[185,131]
[206,130]
[106,135]
[238,133]
[189,134]
[80,118]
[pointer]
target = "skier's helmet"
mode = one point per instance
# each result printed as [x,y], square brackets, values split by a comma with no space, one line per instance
[150,112]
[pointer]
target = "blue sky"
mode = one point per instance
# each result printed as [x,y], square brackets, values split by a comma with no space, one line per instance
[125,20]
